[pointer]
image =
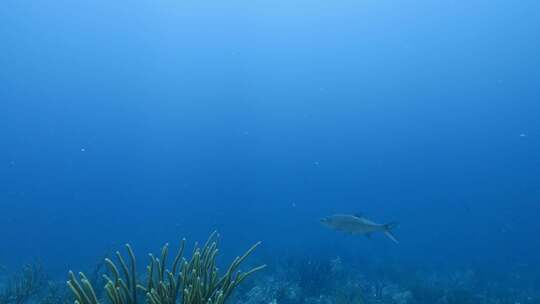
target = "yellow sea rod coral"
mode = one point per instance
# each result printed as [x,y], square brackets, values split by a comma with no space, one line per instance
[193,281]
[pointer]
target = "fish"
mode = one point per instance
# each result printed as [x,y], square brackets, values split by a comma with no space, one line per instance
[357,224]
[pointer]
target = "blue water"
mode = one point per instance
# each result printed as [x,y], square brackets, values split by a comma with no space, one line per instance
[147,121]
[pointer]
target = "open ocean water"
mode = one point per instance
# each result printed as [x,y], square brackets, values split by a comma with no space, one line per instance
[144,122]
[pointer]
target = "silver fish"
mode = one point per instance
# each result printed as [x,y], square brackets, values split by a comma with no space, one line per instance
[357,224]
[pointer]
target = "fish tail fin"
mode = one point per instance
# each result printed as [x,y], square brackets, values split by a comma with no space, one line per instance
[388,231]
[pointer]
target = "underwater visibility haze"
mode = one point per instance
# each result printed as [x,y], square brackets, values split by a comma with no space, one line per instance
[410,128]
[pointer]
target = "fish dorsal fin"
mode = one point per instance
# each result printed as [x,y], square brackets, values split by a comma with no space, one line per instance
[358,215]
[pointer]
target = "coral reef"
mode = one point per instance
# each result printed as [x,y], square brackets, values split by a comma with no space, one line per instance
[193,281]
[56,293]
[23,286]
[346,282]
[297,280]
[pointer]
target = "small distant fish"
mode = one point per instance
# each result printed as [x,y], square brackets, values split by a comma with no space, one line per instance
[357,224]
